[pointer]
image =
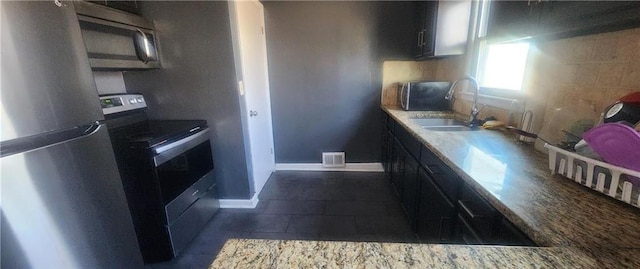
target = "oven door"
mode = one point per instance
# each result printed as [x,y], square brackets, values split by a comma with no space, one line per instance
[182,163]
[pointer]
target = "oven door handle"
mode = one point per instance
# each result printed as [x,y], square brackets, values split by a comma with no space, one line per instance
[169,151]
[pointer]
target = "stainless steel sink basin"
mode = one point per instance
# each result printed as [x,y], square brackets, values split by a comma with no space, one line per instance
[437,122]
[452,128]
[445,125]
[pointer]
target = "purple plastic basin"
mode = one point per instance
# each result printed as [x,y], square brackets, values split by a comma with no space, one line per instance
[617,144]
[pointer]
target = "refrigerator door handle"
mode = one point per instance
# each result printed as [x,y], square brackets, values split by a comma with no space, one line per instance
[29,143]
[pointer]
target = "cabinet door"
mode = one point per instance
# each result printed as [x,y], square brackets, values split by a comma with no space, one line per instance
[510,20]
[384,158]
[418,28]
[451,28]
[479,214]
[410,189]
[571,18]
[387,151]
[397,167]
[441,174]
[435,212]
[559,19]
[509,235]
[128,6]
[465,233]
[430,23]
[425,26]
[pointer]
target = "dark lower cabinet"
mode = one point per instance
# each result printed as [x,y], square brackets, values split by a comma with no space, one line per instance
[509,235]
[435,212]
[410,189]
[387,143]
[387,149]
[478,213]
[440,208]
[465,234]
[478,223]
[398,157]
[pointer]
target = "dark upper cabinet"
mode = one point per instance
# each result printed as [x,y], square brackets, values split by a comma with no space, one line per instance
[441,28]
[424,26]
[509,20]
[128,6]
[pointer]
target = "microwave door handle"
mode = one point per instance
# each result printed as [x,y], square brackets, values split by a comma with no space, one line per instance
[145,47]
[402,96]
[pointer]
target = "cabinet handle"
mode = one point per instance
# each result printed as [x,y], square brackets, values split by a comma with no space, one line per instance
[419,39]
[466,209]
[431,170]
[442,220]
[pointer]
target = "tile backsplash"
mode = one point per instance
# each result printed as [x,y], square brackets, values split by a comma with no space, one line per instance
[594,70]
[109,82]
[394,72]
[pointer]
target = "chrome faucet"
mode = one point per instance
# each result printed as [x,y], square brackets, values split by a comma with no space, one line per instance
[473,118]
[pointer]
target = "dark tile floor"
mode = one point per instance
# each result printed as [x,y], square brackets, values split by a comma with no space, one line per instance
[337,206]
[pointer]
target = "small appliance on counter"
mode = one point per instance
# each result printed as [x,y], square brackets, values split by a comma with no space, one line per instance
[626,109]
[166,168]
[424,95]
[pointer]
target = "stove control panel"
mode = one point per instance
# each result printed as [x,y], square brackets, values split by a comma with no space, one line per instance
[115,103]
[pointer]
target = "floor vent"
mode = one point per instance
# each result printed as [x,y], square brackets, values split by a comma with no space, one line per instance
[333,159]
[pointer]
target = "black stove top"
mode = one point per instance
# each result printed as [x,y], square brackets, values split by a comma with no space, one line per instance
[152,133]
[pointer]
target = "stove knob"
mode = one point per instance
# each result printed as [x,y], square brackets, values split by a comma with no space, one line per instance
[132,101]
[140,100]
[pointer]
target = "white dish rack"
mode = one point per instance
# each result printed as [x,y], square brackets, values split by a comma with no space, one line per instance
[599,176]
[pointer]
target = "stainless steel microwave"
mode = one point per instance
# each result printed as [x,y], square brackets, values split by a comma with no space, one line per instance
[424,95]
[116,40]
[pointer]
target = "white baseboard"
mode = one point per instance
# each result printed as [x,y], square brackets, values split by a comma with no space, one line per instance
[240,203]
[350,167]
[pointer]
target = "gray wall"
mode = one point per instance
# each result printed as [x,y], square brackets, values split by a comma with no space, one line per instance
[325,65]
[197,81]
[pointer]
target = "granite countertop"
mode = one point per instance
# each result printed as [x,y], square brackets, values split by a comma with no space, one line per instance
[251,253]
[574,226]
[516,180]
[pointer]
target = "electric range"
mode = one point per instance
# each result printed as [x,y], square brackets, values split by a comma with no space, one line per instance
[166,168]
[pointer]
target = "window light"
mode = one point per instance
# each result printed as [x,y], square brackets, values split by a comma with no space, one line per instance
[502,66]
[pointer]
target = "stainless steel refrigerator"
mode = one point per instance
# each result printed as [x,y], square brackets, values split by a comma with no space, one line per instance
[62,201]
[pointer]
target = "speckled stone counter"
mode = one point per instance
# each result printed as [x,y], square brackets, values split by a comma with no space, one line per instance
[253,253]
[516,180]
[574,227]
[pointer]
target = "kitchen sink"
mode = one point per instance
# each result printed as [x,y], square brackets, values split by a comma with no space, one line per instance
[451,128]
[445,125]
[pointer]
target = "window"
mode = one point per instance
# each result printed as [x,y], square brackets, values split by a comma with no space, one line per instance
[500,66]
